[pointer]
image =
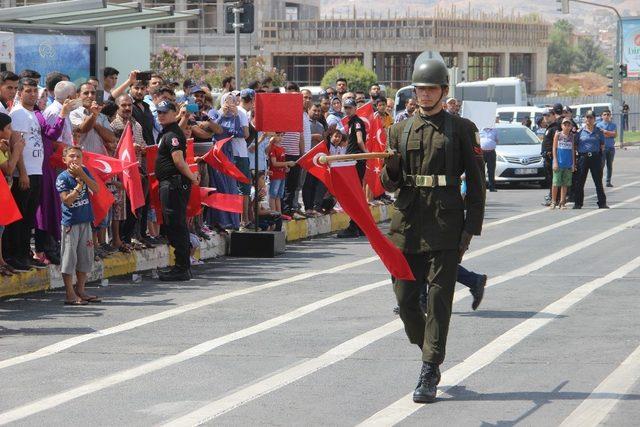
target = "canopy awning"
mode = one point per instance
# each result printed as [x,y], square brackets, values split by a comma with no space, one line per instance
[95,13]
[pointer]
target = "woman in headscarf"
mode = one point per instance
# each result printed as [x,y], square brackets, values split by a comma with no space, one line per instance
[227,118]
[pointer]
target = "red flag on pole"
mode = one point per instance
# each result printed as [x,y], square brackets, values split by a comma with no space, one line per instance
[9,212]
[278,112]
[131,179]
[342,181]
[100,202]
[105,166]
[224,202]
[366,113]
[345,185]
[218,160]
[194,207]
[154,185]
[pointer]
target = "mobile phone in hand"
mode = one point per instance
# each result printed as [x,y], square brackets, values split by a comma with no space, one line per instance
[144,76]
[100,97]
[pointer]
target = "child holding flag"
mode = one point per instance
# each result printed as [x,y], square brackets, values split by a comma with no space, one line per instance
[73,185]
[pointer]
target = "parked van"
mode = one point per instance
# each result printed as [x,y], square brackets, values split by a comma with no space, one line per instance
[505,91]
[519,114]
[580,110]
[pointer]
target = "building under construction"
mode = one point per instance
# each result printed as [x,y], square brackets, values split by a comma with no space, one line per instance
[295,37]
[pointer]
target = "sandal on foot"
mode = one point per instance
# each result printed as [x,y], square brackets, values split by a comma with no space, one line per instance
[76,302]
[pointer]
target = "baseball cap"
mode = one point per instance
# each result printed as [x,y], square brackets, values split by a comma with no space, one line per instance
[547,112]
[248,94]
[450,99]
[349,102]
[196,88]
[557,108]
[589,113]
[566,120]
[165,106]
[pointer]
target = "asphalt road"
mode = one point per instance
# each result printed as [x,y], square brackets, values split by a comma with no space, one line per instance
[310,338]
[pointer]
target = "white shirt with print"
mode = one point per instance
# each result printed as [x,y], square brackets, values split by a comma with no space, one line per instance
[25,121]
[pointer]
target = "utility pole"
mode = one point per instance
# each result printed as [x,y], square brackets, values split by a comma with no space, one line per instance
[617,62]
[237,10]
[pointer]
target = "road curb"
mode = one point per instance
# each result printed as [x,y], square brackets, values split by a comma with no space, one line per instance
[120,264]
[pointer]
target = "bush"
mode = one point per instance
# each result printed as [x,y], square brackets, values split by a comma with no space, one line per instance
[358,77]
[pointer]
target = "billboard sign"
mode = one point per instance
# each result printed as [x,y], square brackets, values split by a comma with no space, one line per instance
[631,46]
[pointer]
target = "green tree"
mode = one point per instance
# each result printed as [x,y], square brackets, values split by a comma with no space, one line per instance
[589,57]
[561,54]
[358,77]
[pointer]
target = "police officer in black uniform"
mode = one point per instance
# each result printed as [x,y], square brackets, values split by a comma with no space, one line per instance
[175,178]
[357,135]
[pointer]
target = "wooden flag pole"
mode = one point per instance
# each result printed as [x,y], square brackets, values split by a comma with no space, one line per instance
[351,157]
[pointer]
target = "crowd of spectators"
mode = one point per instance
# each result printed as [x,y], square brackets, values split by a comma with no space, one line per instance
[37,121]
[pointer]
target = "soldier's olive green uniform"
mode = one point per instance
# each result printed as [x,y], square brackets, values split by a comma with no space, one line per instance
[430,217]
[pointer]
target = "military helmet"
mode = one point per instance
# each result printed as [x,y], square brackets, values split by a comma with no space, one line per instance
[430,72]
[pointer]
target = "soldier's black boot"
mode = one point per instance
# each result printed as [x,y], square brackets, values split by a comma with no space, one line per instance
[478,291]
[427,388]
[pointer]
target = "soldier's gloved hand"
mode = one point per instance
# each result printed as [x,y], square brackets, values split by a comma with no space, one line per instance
[394,166]
[465,239]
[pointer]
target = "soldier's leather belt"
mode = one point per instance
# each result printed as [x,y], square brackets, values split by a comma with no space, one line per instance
[431,181]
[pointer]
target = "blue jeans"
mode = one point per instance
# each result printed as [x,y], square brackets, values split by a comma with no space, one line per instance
[607,160]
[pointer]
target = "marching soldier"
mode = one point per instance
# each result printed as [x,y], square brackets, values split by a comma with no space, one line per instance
[432,150]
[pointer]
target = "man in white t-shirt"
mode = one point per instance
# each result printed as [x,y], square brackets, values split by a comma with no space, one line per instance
[27,183]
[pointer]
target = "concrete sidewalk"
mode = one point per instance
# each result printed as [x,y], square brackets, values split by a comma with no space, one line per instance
[120,264]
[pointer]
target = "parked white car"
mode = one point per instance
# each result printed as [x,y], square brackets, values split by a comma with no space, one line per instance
[518,157]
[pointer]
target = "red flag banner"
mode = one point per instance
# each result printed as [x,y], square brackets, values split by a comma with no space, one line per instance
[9,212]
[224,202]
[131,179]
[218,160]
[309,161]
[100,202]
[194,207]
[154,186]
[55,161]
[345,185]
[105,166]
[342,181]
[278,112]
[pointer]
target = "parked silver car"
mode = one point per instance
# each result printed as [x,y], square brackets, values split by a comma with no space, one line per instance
[518,156]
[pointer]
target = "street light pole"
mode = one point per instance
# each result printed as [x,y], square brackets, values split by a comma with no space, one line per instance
[617,78]
[237,10]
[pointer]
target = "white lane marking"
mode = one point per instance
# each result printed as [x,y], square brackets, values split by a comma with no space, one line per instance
[595,408]
[404,407]
[163,362]
[71,342]
[537,211]
[274,382]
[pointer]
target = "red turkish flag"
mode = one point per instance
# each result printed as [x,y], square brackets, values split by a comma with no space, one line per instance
[218,160]
[345,185]
[154,185]
[194,207]
[102,200]
[105,166]
[341,179]
[55,161]
[9,212]
[376,143]
[309,161]
[223,202]
[278,112]
[131,179]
